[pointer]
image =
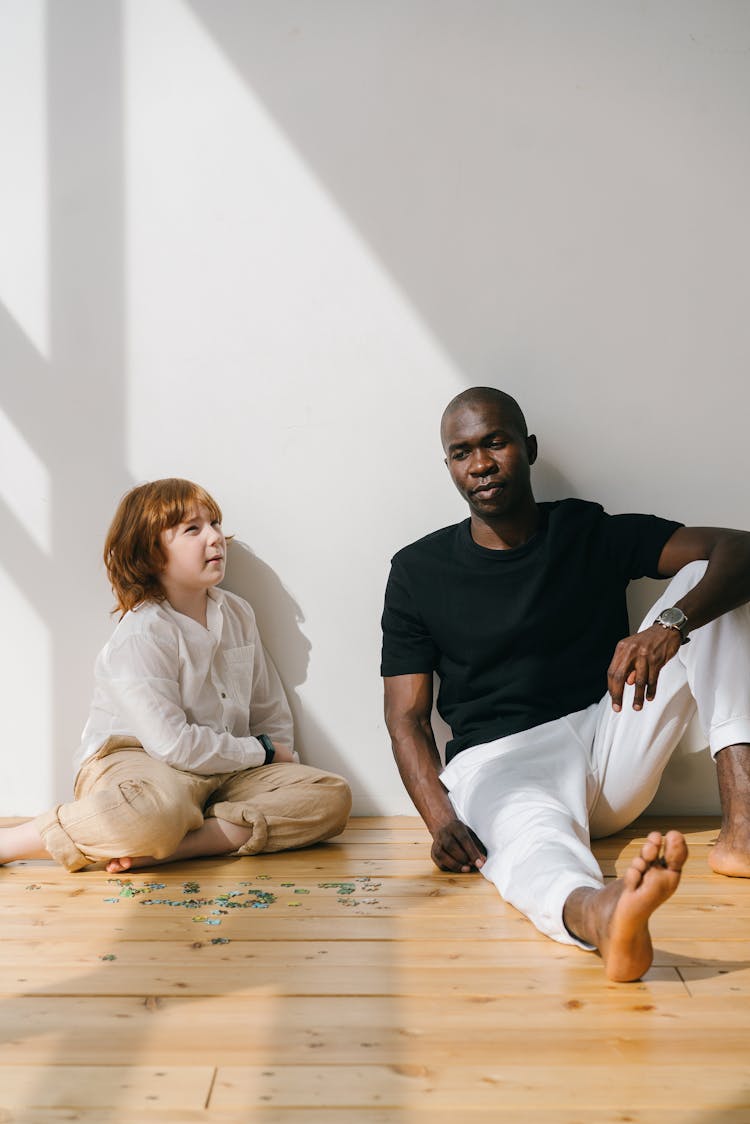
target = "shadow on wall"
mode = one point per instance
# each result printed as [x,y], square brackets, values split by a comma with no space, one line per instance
[279,615]
[68,406]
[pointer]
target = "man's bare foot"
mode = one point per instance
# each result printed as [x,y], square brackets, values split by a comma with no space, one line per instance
[731,854]
[615,919]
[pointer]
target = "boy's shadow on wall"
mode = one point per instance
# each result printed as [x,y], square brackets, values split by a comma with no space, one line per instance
[278,614]
[279,620]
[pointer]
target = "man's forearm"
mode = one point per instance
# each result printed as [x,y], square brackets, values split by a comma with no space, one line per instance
[419,764]
[725,585]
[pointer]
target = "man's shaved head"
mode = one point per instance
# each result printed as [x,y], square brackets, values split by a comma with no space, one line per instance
[485,396]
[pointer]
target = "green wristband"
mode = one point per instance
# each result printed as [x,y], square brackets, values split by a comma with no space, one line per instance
[268,745]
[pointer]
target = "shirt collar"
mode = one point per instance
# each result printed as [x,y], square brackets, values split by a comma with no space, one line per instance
[214,613]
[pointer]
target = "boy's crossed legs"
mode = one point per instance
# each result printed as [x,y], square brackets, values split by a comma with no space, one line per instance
[132,810]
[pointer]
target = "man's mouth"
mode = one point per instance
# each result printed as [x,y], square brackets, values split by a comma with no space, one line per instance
[483,491]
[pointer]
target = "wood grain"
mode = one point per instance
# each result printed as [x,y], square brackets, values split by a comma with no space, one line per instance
[429,1000]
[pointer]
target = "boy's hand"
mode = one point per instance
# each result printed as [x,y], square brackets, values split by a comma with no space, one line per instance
[283,753]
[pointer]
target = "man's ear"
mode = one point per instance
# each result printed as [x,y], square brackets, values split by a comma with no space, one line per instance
[532,449]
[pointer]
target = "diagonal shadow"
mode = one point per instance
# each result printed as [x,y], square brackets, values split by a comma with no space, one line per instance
[72,409]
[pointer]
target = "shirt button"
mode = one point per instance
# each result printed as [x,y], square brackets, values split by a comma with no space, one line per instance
[223,694]
[226,728]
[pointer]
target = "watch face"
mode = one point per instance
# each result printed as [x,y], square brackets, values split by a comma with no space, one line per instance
[673,616]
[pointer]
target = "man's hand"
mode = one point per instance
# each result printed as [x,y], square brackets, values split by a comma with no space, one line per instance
[457,848]
[638,660]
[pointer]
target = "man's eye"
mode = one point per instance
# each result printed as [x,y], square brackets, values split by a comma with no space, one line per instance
[459,454]
[498,444]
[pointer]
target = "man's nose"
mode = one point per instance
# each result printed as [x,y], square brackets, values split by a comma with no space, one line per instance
[481,463]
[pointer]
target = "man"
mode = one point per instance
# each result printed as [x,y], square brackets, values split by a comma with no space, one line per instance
[521,611]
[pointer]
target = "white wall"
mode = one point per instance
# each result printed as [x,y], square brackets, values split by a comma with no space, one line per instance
[262,244]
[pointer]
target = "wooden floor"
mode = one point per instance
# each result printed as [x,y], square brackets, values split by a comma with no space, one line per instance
[363,987]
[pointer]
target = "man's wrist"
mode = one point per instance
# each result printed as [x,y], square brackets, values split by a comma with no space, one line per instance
[674,618]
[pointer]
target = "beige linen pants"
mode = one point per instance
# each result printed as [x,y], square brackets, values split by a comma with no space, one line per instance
[128,803]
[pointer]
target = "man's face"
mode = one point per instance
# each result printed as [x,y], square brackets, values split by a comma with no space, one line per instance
[489,459]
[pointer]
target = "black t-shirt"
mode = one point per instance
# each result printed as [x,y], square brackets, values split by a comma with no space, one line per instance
[523,636]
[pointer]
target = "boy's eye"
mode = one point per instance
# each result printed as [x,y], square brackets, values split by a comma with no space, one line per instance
[216,522]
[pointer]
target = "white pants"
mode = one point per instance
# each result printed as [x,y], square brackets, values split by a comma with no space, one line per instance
[536,798]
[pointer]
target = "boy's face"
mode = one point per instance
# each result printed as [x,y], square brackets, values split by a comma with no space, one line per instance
[196,554]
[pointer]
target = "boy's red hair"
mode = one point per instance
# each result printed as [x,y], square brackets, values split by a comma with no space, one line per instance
[133,553]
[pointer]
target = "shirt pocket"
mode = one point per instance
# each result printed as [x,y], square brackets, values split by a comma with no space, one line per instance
[239,663]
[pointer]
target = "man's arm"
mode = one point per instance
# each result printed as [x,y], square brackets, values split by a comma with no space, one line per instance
[725,585]
[408,706]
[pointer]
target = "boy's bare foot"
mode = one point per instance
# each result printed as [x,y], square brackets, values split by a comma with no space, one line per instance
[615,919]
[213,837]
[119,866]
[22,841]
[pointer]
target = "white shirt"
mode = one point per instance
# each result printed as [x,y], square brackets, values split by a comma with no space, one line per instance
[192,696]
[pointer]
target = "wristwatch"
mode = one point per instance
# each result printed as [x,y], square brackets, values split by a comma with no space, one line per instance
[674,618]
[268,745]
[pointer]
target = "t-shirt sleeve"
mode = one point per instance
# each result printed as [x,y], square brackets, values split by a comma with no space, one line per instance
[408,647]
[636,543]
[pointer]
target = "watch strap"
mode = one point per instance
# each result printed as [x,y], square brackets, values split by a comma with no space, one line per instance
[268,746]
[678,625]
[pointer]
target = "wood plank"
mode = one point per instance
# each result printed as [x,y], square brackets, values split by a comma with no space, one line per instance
[413,1115]
[361,923]
[308,976]
[732,979]
[474,1086]
[445,956]
[127,1087]
[387,895]
[414,998]
[709,890]
[617,1026]
[436,885]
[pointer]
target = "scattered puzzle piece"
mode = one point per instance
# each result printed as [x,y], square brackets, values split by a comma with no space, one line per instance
[340,887]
